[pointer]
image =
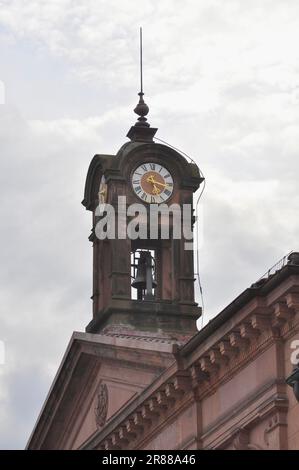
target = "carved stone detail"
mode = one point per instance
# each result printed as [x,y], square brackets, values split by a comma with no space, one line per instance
[241,440]
[219,361]
[101,404]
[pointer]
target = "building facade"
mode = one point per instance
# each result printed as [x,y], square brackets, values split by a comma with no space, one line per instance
[142,376]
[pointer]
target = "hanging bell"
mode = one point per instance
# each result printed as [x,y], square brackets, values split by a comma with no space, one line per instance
[144,280]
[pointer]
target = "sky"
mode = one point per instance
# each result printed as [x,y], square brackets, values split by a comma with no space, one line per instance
[222,83]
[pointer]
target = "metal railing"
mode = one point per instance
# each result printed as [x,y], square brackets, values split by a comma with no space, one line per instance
[276,267]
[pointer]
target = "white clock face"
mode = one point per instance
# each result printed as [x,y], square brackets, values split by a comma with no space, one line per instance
[152,183]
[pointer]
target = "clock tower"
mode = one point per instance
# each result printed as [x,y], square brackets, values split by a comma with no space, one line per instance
[143,272]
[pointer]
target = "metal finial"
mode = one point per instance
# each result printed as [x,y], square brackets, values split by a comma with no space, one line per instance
[142,108]
[141,70]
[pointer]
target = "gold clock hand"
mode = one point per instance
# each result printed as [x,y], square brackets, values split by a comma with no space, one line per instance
[151,179]
[156,190]
[161,184]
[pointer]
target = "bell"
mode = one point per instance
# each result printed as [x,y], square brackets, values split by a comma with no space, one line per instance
[144,277]
[140,279]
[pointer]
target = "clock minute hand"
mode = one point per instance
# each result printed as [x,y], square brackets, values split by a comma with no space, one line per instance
[155,190]
[157,182]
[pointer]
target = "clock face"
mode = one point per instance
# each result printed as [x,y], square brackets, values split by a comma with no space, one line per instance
[152,183]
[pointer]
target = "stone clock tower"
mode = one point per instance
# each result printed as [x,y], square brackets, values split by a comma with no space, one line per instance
[158,267]
[143,295]
[141,376]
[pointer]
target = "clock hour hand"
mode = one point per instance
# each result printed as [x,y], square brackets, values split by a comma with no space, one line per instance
[151,179]
[156,190]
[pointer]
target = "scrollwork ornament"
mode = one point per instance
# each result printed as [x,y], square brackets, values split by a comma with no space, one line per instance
[101,404]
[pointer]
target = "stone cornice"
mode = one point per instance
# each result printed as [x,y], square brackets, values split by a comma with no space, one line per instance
[262,296]
[96,348]
[56,391]
[264,400]
[255,328]
[141,414]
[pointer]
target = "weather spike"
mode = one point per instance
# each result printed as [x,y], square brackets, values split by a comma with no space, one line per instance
[141,71]
[142,108]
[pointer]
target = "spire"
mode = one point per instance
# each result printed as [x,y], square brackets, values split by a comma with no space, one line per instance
[141,130]
[142,108]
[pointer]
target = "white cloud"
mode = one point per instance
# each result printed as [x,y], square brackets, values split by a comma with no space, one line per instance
[221,80]
[2,93]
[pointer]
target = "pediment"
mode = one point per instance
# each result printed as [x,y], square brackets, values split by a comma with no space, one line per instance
[98,377]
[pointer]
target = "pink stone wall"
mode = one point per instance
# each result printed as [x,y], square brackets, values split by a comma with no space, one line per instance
[293,412]
[178,433]
[123,384]
[248,411]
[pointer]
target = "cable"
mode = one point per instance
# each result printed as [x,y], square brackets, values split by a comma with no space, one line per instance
[197,252]
[196,222]
[175,148]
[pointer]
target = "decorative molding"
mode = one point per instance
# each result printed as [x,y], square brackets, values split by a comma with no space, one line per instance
[146,338]
[153,411]
[217,364]
[278,419]
[241,439]
[101,404]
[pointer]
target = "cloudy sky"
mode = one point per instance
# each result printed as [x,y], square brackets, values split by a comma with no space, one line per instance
[222,83]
